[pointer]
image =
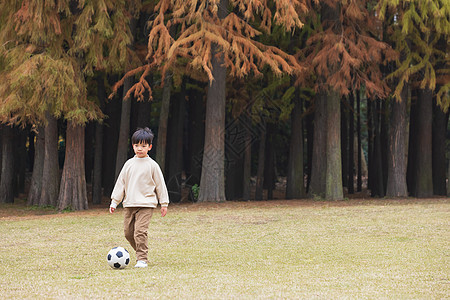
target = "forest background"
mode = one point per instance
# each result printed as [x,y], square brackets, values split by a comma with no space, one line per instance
[318,98]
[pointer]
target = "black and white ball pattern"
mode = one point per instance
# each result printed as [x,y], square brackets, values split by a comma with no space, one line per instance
[118,258]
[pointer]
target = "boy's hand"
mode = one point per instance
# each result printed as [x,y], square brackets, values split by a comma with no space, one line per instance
[111,210]
[163,211]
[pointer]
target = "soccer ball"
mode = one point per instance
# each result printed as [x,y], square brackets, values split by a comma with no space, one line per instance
[118,258]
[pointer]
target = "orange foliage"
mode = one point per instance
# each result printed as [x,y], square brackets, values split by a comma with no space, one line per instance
[202,23]
[346,53]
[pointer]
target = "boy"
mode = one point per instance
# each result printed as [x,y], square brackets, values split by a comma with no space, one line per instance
[141,186]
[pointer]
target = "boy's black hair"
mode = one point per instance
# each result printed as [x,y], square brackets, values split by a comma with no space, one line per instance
[142,135]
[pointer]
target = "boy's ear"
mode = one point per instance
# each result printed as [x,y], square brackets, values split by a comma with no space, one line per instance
[150,148]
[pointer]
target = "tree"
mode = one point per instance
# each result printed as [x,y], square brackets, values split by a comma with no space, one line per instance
[50,49]
[343,54]
[73,193]
[212,34]
[34,192]
[295,187]
[397,152]
[419,29]
[7,166]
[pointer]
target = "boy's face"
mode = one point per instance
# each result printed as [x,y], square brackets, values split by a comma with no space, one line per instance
[141,149]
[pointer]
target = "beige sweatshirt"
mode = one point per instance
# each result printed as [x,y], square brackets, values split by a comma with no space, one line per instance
[140,184]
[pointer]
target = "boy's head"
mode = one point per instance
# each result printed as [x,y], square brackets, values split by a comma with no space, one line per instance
[142,142]
[142,136]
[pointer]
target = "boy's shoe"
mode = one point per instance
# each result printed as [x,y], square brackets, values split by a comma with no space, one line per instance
[141,264]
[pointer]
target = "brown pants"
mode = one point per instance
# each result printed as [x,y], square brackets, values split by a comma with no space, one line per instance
[135,223]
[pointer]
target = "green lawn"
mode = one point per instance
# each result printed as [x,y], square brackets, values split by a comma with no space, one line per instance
[358,249]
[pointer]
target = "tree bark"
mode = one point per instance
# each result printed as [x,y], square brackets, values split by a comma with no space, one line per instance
[50,172]
[351,144]
[440,120]
[269,169]
[247,160]
[309,126]
[174,164]
[295,187]
[123,144]
[384,134]
[345,152]
[234,149]
[370,143]
[334,190]
[212,182]
[377,188]
[73,192]
[97,188]
[34,193]
[319,164]
[261,165]
[423,174]
[110,141]
[448,179]
[7,170]
[397,162]
[195,141]
[412,144]
[89,150]
[358,133]
[161,141]
[20,154]
[97,193]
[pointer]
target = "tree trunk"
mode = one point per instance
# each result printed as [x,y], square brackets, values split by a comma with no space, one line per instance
[73,192]
[97,193]
[397,162]
[195,141]
[123,144]
[110,141]
[345,153]
[212,182]
[174,164]
[319,164]
[412,144]
[20,154]
[309,126]
[34,193]
[377,162]
[295,187]
[440,120]
[247,159]
[7,170]
[261,165]
[1,149]
[333,189]
[384,134]
[423,174]
[269,169]
[97,188]
[448,179]
[351,144]
[370,143]
[359,150]
[234,149]
[89,150]
[50,172]
[161,141]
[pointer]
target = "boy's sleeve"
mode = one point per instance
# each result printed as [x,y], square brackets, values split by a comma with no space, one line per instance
[119,190]
[161,189]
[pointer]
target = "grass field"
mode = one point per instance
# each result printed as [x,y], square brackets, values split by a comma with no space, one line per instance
[356,249]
